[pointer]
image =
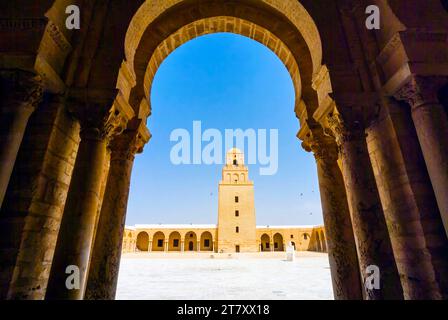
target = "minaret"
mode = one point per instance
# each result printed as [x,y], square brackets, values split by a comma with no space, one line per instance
[236,210]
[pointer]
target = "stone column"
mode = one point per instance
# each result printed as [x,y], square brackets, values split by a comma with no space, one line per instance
[150,246]
[33,205]
[21,92]
[182,246]
[198,249]
[105,260]
[165,247]
[415,227]
[78,221]
[271,245]
[341,245]
[369,225]
[431,124]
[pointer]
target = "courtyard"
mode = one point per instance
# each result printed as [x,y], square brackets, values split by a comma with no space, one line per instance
[199,276]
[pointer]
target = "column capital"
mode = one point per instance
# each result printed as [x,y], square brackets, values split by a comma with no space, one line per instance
[132,141]
[420,90]
[322,146]
[343,131]
[101,116]
[20,88]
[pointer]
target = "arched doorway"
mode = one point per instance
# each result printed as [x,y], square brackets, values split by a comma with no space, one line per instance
[317,243]
[323,240]
[174,241]
[206,241]
[278,242]
[142,241]
[158,241]
[190,241]
[265,243]
[293,244]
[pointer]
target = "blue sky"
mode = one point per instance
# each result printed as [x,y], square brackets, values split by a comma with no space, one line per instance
[226,81]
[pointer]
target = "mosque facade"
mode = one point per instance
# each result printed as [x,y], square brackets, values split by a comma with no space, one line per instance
[236,230]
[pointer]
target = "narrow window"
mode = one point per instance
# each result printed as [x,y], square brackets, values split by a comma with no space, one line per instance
[237,229]
[237,213]
[292,236]
[160,243]
[235,163]
[236,199]
[176,243]
[237,248]
[206,243]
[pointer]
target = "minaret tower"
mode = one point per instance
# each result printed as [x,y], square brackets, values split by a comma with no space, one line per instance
[236,210]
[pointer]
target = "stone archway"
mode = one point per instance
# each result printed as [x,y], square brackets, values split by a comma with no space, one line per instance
[142,243]
[206,241]
[265,242]
[174,241]
[278,242]
[140,37]
[158,241]
[191,241]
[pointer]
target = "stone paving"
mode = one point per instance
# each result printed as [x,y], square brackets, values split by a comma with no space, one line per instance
[243,276]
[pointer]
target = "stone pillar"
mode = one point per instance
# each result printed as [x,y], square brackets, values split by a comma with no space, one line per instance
[165,247]
[33,205]
[271,245]
[431,124]
[150,246]
[369,225]
[21,92]
[341,245]
[415,227]
[182,246]
[78,221]
[101,285]
[198,249]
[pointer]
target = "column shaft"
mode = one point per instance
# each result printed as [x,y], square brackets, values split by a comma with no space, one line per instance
[107,248]
[416,231]
[341,245]
[77,226]
[431,124]
[369,225]
[21,92]
[32,208]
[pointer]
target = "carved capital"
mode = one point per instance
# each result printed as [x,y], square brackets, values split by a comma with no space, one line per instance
[323,147]
[129,143]
[419,90]
[342,130]
[100,115]
[20,88]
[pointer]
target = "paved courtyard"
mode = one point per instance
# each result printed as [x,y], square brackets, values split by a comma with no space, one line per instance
[198,276]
